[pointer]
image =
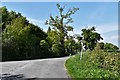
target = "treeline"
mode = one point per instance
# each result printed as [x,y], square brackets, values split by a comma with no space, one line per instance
[21,39]
[24,40]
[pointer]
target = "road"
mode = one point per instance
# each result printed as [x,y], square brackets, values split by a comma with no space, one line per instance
[34,69]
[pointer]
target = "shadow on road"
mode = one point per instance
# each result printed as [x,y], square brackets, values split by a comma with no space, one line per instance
[22,77]
[15,77]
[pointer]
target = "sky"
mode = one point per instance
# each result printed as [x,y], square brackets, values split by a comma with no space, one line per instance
[102,15]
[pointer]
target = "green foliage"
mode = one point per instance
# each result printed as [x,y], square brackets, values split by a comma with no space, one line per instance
[106,60]
[4,16]
[24,40]
[71,46]
[21,39]
[99,46]
[53,40]
[56,49]
[106,47]
[58,23]
[110,47]
[95,64]
[90,38]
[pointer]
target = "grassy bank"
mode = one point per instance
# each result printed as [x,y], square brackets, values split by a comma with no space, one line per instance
[95,64]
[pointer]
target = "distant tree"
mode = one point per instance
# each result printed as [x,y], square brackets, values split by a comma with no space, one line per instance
[90,38]
[79,43]
[110,47]
[70,45]
[60,23]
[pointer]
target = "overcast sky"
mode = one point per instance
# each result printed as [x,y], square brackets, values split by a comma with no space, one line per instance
[103,15]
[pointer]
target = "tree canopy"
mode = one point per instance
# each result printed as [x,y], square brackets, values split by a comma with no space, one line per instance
[90,38]
[61,22]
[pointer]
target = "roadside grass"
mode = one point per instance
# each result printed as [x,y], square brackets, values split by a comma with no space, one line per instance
[95,64]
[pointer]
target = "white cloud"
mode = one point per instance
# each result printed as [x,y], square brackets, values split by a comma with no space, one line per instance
[40,23]
[35,21]
[75,31]
[107,28]
[113,39]
[102,29]
[108,33]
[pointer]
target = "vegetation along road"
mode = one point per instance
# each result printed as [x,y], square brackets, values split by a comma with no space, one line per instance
[42,68]
[22,39]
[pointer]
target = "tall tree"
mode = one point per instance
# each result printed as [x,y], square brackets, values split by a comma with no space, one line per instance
[61,23]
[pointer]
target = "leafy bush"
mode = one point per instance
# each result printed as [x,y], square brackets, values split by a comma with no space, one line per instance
[107,60]
[95,64]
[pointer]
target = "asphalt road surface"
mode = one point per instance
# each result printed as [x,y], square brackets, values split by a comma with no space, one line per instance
[34,69]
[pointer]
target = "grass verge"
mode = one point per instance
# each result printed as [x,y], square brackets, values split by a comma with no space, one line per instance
[95,64]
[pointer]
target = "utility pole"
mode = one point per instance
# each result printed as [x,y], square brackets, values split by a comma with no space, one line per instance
[81,51]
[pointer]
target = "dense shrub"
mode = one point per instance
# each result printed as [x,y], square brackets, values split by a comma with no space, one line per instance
[107,60]
[95,64]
